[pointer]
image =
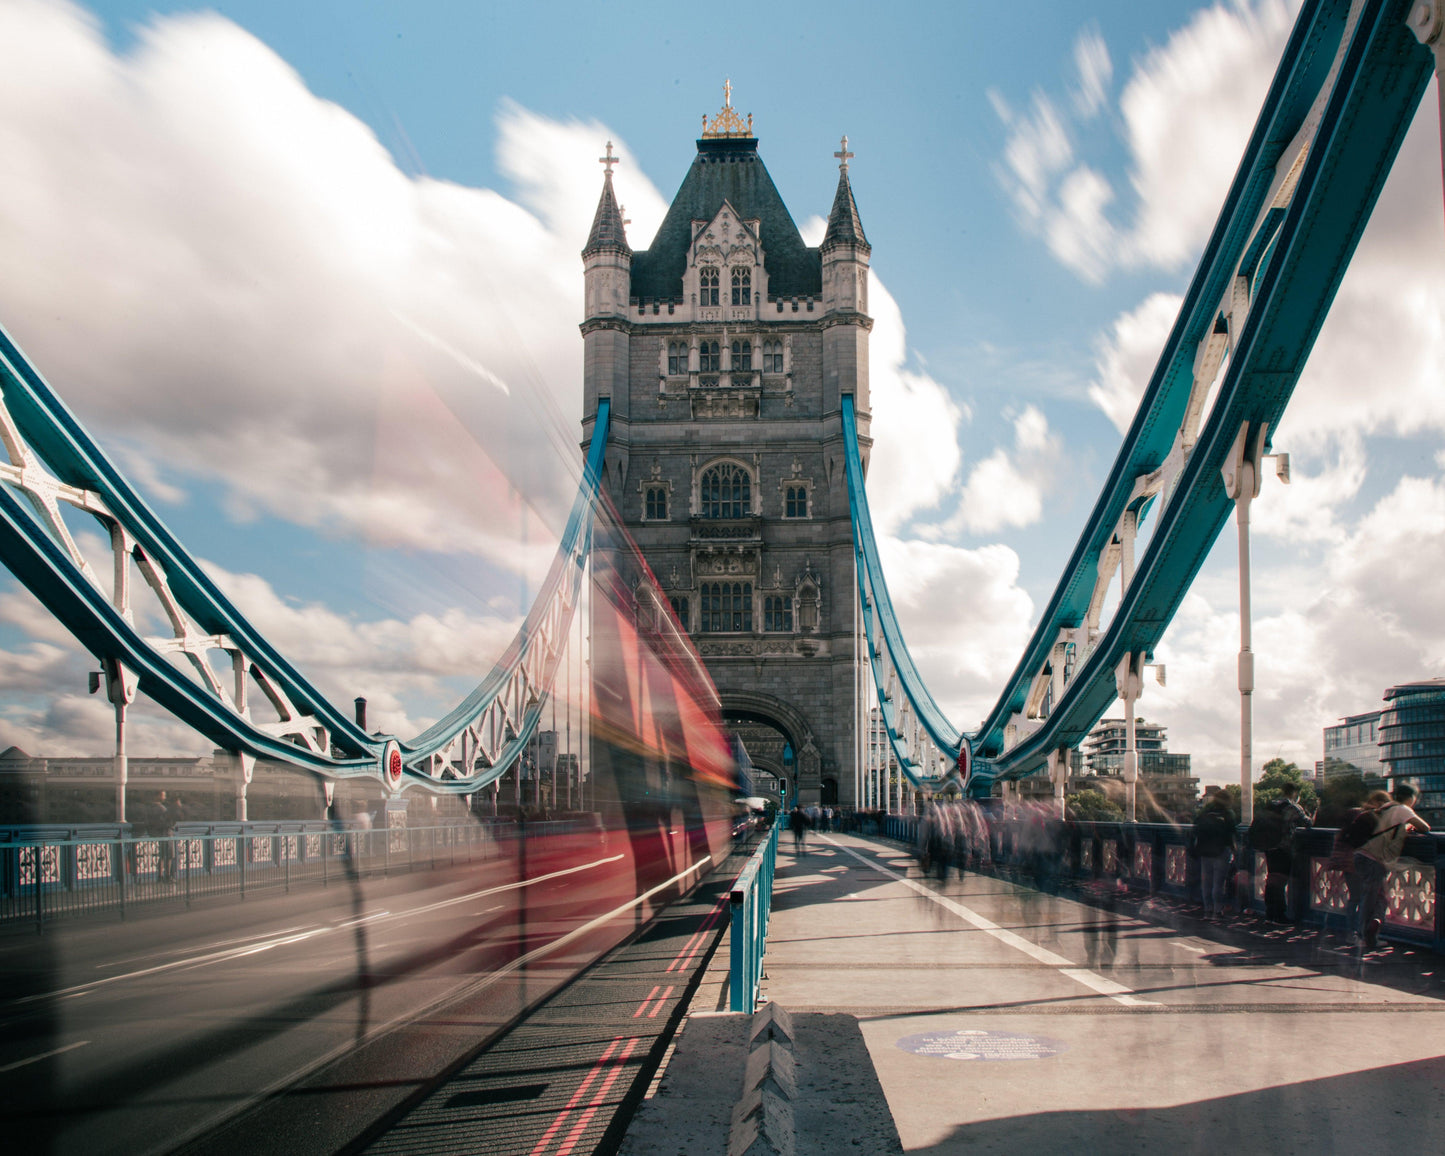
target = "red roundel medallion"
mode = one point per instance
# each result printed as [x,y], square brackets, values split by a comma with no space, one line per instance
[392,763]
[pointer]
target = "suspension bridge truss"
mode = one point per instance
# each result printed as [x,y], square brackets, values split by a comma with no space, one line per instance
[215,671]
[1347,87]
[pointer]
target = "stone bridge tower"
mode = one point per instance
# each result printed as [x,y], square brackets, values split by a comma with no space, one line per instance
[725,349]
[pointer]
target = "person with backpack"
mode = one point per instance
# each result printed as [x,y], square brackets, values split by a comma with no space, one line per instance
[1273,833]
[1356,828]
[1379,853]
[1214,844]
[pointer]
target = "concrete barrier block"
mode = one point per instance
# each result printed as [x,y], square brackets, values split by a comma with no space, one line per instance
[763,1125]
[772,1022]
[773,1068]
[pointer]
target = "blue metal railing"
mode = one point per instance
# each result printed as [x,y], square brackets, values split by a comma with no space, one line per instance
[751,900]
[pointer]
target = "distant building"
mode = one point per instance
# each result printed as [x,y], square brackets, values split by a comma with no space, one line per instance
[1163,776]
[1412,742]
[1352,747]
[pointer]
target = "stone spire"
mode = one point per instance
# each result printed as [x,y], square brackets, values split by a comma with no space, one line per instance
[844,225]
[607,226]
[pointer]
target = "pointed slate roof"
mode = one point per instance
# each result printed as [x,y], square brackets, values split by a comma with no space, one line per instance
[607,229]
[728,169]
[844,225]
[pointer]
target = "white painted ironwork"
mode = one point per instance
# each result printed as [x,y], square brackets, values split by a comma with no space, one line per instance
[1176,866]
[1328,889]
[1410,895]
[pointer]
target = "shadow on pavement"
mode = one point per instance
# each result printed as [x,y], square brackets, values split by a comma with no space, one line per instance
[1393,1108]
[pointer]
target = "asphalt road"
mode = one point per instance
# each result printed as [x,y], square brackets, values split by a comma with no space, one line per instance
[144,1035]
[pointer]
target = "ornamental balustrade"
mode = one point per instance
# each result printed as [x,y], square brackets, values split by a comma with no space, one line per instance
[89,874]
[1155,858]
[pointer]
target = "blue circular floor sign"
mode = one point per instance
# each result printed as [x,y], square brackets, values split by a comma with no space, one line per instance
[978,1045]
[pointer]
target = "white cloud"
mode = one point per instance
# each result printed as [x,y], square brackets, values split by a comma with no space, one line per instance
[1329,638]
[1186,112]
[915,458]
[1096,70]
[964,617]
[1007,488]
[1125,357]
[1038,149]
[290,313]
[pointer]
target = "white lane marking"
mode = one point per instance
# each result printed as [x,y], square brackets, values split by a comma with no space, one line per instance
[1115,991]
[282,941]
[1189,947]
[43,1056]
[201,947]
[363,919]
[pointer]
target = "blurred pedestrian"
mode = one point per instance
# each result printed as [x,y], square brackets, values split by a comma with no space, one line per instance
[1356,828]
[1273,833]
[798,825]
[1214,838]
[1373,861]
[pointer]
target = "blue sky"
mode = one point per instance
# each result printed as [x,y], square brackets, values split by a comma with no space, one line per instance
[263,250]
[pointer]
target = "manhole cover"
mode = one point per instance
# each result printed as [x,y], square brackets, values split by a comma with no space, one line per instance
[976,1045]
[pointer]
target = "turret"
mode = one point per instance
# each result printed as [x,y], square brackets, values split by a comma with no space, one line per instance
[845,251]
[607,264]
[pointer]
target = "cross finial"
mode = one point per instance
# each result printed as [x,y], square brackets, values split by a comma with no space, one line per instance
[728,93]
[622,212]
[609,160]
[844,156]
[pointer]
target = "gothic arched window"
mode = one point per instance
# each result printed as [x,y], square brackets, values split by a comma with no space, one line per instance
[725,491]
[679,607]
[778,613]
[708,280]
[796,502]
[742,286]
[742,356]
[656,509]
[709,357]
[772,357]
[677,358]
[726,606]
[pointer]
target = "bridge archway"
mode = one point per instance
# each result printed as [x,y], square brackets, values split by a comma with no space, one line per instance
[744,712]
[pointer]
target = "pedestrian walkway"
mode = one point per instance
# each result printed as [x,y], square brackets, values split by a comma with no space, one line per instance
[997,1016]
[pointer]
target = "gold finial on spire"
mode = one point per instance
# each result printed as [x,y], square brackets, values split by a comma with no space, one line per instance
[609,160]
[727,123]
[844,156]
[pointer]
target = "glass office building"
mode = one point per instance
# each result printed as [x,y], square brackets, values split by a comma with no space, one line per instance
[1412,742]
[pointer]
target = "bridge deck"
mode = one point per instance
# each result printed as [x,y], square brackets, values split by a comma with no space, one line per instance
[1167,1033]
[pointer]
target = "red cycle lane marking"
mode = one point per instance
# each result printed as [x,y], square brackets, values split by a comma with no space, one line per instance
[597,1098]
[642,1007]
[689,949]
[577,1095]
[695,945]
